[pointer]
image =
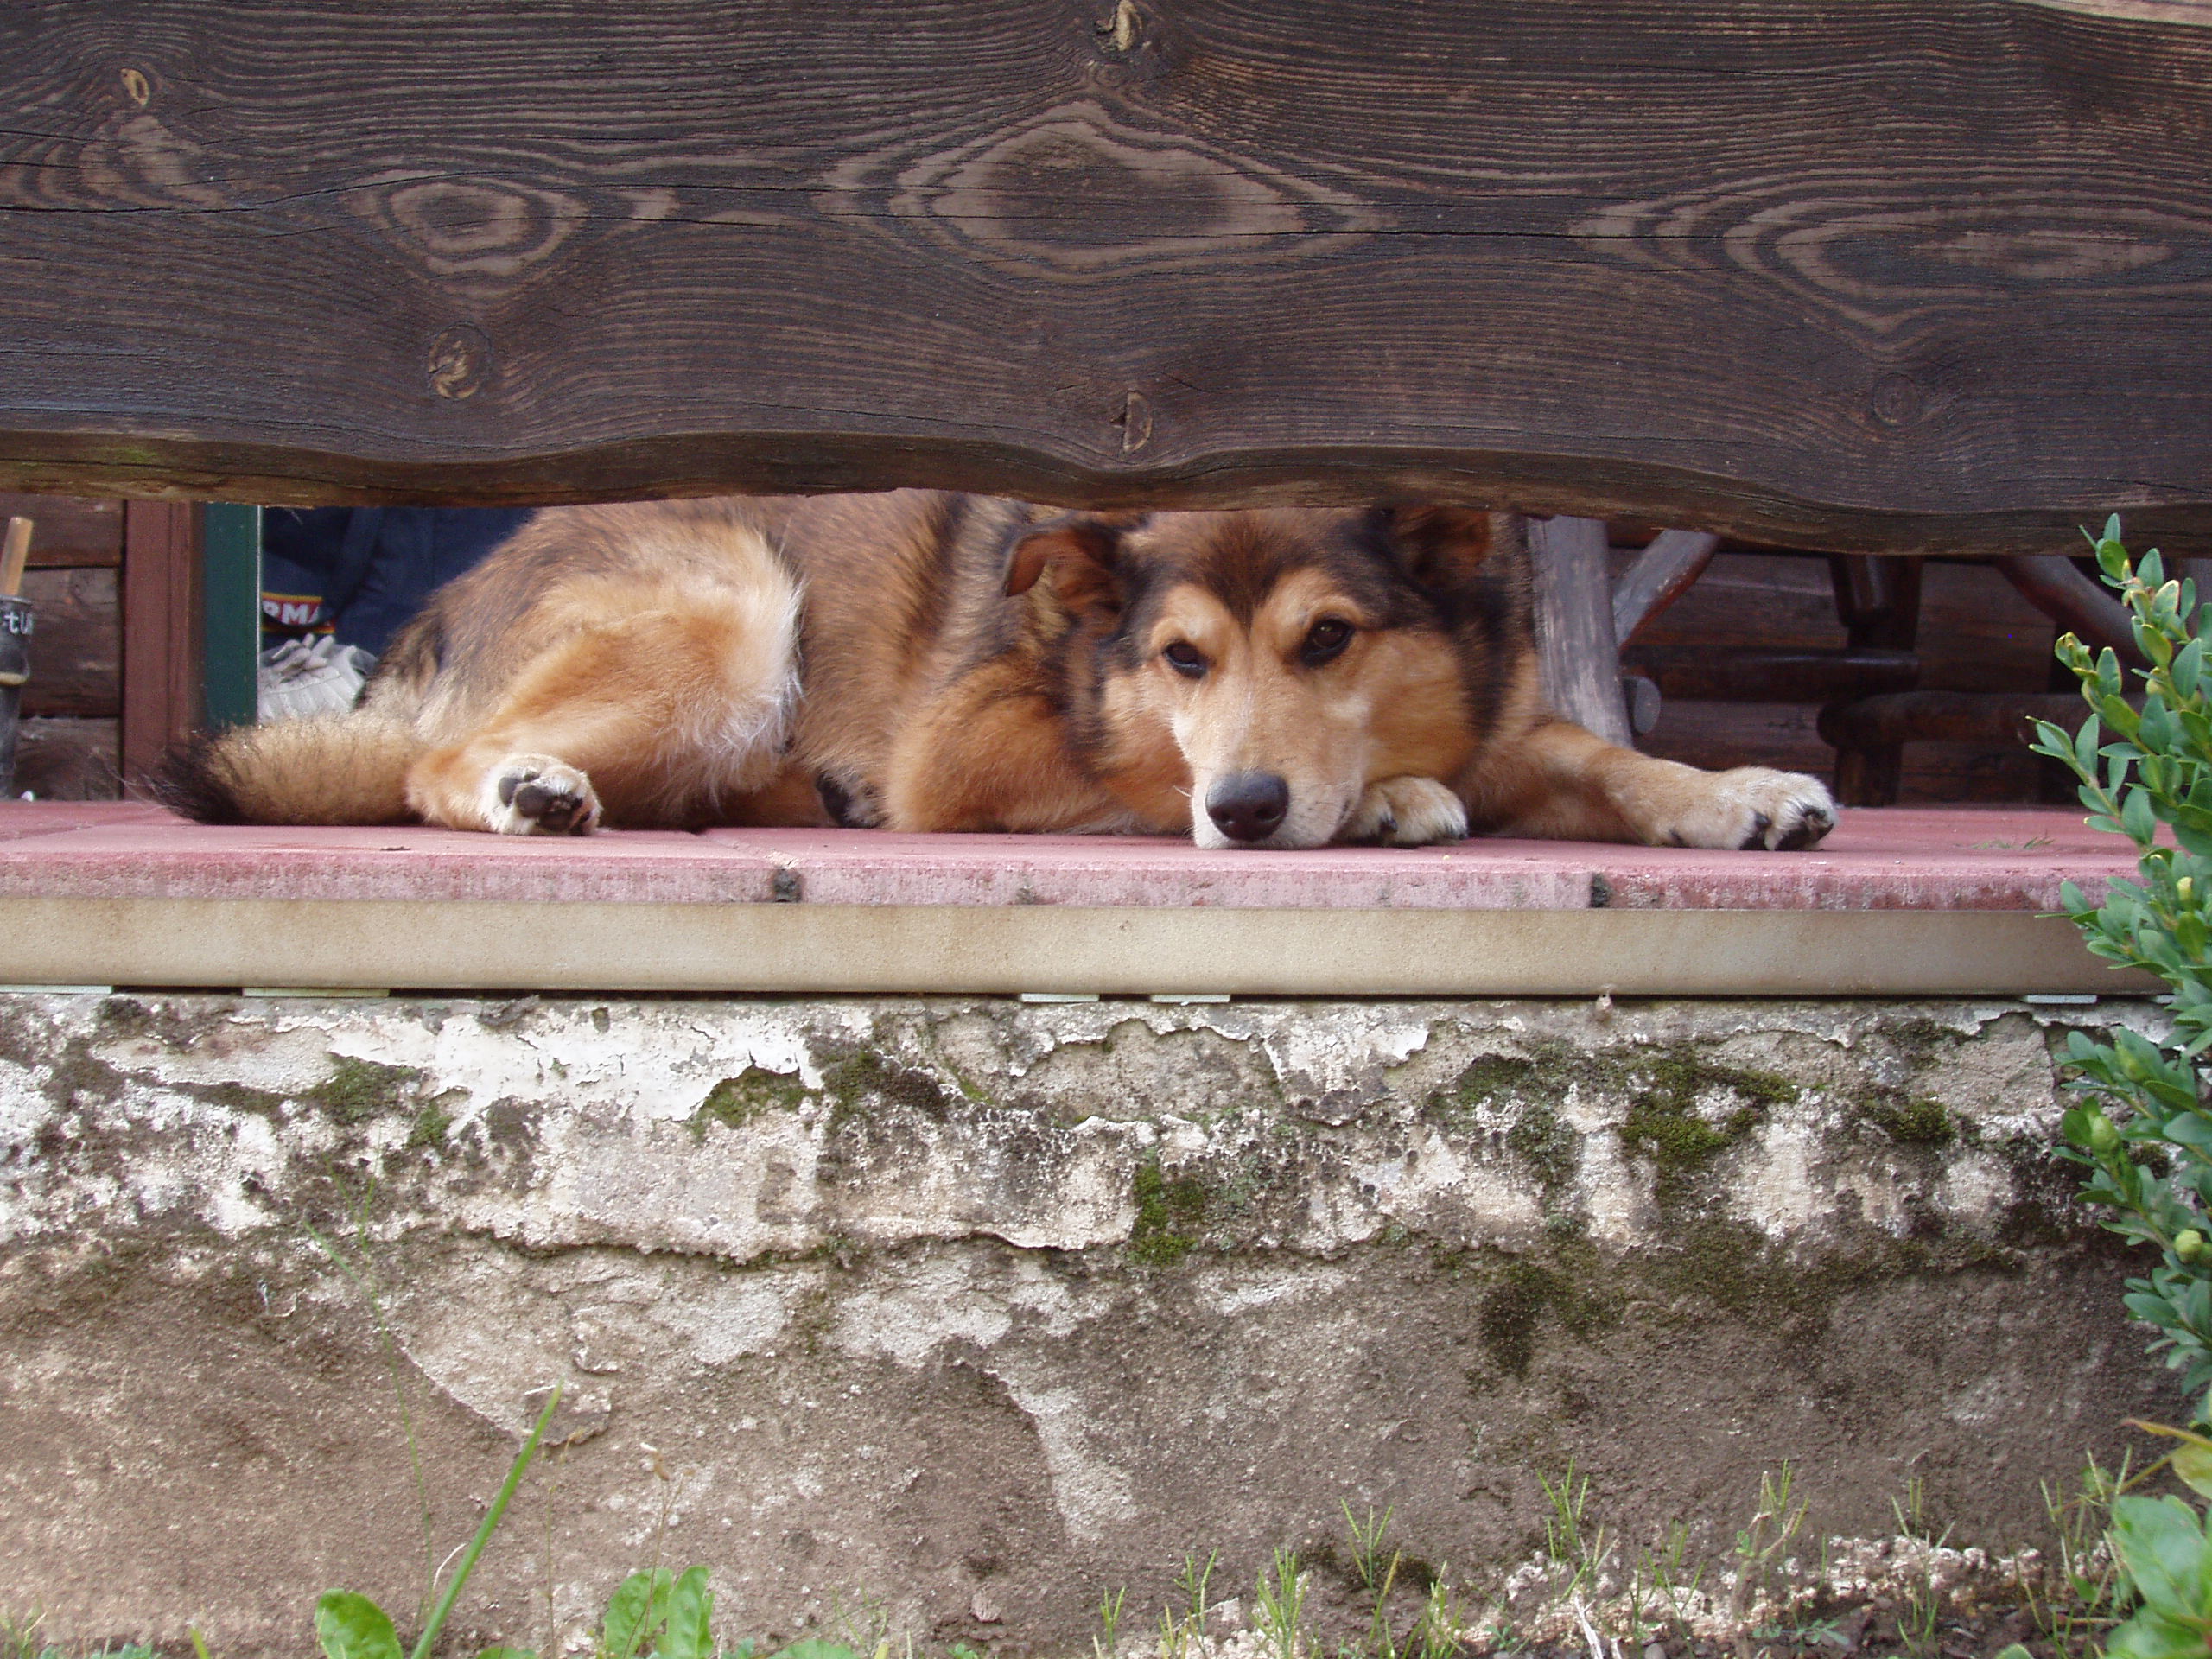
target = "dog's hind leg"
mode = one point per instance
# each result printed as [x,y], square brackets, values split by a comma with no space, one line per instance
[658,718]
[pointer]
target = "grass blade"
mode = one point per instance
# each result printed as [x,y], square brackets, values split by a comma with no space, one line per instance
[515,1473]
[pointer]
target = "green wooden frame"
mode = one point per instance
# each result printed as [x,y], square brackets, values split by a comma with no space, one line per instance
[230,625]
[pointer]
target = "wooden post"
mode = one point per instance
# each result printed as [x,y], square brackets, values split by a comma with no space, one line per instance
[161,629]
[230,606]
[1580,663]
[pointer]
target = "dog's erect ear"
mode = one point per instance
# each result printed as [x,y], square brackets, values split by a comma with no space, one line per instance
[1081,548]
[1441,546]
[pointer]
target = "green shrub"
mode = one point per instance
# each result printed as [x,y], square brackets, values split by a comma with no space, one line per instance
[2142,1127]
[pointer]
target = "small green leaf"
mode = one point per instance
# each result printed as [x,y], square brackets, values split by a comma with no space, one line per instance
[2137,818]
[690,1618]
[635,1614]
[353,1627]
[815,1647]
[2152,1635]
[2194,1465]
[508,1653]
[2161,1542]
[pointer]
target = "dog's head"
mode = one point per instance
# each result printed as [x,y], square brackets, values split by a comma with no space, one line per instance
[1256,670]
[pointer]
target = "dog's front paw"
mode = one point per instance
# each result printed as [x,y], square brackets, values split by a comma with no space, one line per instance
[536,795]
[1407,812]
[1756,806]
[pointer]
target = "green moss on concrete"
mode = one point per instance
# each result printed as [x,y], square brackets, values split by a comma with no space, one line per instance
[1738,1270]
[1673,1119]
[357,1090]
[1172,1213]
[433,1124]
[76,1073]
[1501,1080]
[237,1097]
[1550,1146]
[1669,1122]
[735,1102]
[854,1080]
[1570,1282]
[1913,1119]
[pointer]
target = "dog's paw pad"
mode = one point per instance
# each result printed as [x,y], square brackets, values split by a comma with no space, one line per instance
[1757,808]
[536,795]
[1808,831]
[1407,812]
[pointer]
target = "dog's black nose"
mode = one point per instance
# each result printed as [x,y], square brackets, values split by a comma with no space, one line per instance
[1247,805]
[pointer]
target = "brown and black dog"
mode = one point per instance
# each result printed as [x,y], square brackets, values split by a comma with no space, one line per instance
[926,661]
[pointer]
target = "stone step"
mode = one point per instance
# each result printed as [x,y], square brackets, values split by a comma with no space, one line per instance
[1901,900]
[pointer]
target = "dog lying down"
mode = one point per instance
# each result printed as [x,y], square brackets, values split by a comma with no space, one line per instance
[926,661]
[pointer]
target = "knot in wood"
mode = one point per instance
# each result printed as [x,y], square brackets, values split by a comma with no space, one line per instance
[1136,422]
[460,361]
[1897,401]
[1119,33]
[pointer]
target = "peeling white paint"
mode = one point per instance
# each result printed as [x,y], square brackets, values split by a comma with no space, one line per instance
[570,1123]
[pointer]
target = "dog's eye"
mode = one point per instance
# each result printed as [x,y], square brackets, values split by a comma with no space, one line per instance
[1325,639]
[1186,659]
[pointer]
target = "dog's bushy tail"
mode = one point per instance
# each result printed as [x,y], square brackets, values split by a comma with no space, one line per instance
[349,768]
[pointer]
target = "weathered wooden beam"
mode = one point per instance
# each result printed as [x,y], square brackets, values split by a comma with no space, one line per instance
[2062,593]
[1659,576]
[1941,278]
[1576,657]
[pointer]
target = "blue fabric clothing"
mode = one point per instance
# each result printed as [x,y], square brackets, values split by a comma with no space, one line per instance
[369,568]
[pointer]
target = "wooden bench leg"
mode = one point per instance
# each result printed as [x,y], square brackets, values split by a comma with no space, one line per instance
[1869,776]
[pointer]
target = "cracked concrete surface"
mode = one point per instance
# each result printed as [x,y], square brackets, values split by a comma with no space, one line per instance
[966,1305]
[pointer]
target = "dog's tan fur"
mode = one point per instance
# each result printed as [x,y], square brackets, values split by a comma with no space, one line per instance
[926,661]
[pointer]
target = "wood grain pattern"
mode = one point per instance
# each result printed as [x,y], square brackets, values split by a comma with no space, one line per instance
[1859,274]
[76,650]
[67,761]
[69,533]
[1579,664]
[160,630]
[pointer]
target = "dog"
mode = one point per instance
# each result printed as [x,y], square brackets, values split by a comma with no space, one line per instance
[919,660]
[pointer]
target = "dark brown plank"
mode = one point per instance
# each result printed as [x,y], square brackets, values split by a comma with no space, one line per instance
[69,533]
[67,761]
[1872,274]
[76,647]
[1729,673]
[161,631]
[1722,734]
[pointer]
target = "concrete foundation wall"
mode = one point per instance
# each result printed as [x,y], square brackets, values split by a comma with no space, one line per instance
[974,1308]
